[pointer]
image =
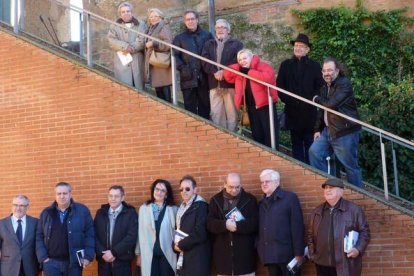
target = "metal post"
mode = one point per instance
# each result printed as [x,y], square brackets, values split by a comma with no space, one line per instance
[174,79]
[89,39]
[271,117]
[21,15]
[384,167]
[394,163]
[16,17]
[81,34]
[211,16]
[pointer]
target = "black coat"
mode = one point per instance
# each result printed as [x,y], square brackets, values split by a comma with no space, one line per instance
[191,73]
[303,78]
[125,233]
[281,228]
[196,246]
[234,253]
[228,56]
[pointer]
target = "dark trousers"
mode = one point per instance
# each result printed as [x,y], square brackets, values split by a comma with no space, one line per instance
[117,268]
[161,267]
[55,267]
[21,271]
[279,270]
[301,142]
[197,100]
[260,125]
[325,270]
[164,92]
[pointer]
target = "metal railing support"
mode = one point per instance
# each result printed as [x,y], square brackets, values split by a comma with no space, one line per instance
[384,168]
[174,79]
[272,122]
[89,39]
[16,16]
[81,50]
[395,169]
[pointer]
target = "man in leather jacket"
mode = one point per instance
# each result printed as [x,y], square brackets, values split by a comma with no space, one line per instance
[334,134]
[193,80]
[329,223]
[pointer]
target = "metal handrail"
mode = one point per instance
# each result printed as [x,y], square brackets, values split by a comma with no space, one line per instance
[383,134]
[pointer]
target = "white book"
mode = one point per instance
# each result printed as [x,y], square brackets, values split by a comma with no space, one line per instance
[235,215]
[293,266]
[179,235]
[124,58]
[350,240]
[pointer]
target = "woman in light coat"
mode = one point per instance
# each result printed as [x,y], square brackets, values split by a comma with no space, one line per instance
[159,78]
[156,229]
[124,42]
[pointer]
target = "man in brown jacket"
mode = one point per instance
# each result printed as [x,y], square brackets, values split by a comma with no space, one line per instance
[329,224]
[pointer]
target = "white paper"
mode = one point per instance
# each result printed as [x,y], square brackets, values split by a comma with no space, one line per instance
[124,58]
[350,240]
[179,235]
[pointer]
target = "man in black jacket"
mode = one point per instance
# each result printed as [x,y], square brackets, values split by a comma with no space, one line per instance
[334,134]
[193,80]
[116,228]
[232,221]
[302,76]
[222,49]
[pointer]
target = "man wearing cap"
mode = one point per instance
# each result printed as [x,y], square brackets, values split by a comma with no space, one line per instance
[302,76]
[329,224]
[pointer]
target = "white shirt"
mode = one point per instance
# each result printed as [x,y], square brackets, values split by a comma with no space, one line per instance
[15,224]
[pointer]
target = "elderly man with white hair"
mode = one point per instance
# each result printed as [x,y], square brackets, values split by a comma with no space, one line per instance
[281,228]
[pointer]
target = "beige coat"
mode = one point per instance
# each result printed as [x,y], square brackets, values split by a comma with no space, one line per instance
[119,39]
[158,77]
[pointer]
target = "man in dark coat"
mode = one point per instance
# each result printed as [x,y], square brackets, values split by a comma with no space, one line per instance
[222,49]
[232,221]
[302,76]
[281,228]
[18,241]
[329,223]
[116,228]
[193,80]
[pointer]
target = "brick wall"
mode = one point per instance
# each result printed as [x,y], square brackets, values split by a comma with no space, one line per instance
[62,122]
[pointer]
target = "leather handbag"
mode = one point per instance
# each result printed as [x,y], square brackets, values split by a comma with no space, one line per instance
[160,59]
[245,120]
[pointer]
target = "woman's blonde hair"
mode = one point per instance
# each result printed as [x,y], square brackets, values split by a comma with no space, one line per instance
[157,11]
[244,51]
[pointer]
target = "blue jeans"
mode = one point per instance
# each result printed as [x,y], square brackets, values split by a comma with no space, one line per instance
[55,267]
[345,149]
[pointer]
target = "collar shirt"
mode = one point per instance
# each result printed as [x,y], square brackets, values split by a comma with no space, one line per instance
[15,224]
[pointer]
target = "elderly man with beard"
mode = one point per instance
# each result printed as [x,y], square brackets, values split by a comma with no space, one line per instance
[329,223]
[222,49]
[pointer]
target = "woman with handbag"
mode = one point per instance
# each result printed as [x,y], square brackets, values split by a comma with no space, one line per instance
[158,55]
[253,95]
[156,227]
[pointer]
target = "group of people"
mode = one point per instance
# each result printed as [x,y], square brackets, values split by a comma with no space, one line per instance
[167,239]
[317,136]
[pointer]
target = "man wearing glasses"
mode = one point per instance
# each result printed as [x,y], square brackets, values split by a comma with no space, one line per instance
[232,220]
[18,240]
[116,228]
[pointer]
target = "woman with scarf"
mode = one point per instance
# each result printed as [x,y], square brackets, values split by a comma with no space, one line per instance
[191,240]
[128,44]
[156,225]
[159,78]
[254,94]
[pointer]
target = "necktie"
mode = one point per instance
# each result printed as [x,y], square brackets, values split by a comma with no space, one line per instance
[19,231]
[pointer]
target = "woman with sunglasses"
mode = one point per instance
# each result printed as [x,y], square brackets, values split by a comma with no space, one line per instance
[156,225]
[191,239]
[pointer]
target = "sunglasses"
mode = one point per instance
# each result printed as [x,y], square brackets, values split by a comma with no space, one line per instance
[187,189]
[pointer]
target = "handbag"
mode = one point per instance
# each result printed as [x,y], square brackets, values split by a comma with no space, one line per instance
[160,59]
[245,120]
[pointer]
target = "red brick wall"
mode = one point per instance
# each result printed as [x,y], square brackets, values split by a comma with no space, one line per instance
[62,122]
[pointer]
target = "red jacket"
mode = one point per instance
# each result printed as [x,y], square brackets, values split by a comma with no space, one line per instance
[259,70]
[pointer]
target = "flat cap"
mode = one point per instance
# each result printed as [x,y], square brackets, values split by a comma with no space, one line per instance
[334,182]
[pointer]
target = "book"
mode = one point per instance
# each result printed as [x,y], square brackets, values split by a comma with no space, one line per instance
[179,235]
[124,58]
[235,215]
[350,240]
[80,255]
[294,266]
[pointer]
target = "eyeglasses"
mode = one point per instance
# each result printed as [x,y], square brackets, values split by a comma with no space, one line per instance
[221,28]
[160,190]
[20,206]
[187,189]
[191,19]
[300,46]
[233,187]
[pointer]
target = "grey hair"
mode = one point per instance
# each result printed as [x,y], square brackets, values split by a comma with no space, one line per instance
[274,175]
[225,22]
[124,4]
[22,197]
[157,11]
[64,184]
[244,51]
